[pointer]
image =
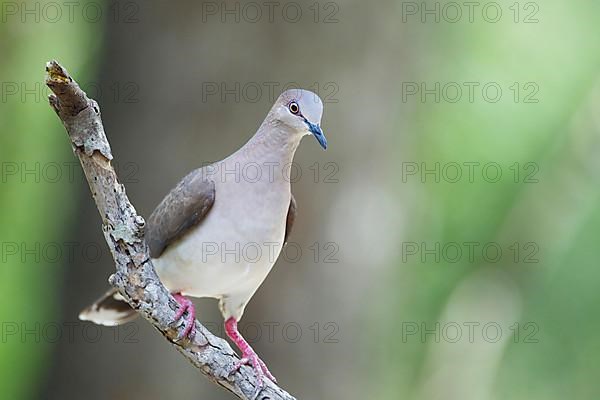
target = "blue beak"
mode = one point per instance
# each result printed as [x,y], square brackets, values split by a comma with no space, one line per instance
[316,130]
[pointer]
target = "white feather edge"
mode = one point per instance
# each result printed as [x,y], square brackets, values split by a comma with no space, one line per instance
[103,317]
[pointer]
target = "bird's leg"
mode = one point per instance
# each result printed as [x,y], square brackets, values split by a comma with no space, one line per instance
[186,305]
[248,354]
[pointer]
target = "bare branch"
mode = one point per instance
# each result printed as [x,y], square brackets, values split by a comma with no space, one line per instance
[123,229]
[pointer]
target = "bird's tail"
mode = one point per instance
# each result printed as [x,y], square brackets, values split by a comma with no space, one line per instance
[110,310]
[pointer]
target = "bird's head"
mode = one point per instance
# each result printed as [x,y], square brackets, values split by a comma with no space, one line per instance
[300,111]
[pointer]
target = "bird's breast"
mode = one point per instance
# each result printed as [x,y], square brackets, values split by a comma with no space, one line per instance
[236,245]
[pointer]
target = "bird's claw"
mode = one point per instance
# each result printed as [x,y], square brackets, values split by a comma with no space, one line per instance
[189,323]
[260,368]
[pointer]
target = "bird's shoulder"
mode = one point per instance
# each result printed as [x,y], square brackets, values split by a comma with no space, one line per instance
[185,206]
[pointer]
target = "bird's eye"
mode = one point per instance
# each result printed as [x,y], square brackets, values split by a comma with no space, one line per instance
[294,107]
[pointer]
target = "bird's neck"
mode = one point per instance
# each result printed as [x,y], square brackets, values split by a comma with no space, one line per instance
[272,143]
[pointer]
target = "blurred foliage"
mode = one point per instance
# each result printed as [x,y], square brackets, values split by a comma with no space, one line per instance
[35,211]
[559,134]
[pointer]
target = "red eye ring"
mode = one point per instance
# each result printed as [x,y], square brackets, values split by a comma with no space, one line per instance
[294,107]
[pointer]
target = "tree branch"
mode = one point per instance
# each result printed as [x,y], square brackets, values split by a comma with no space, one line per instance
[123,230]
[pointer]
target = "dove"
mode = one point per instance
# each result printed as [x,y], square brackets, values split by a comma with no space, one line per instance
[219,232]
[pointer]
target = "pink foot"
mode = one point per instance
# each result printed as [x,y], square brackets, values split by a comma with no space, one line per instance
[249,356]
[190,322]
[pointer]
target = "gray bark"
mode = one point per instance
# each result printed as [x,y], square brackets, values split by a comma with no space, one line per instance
[135,277]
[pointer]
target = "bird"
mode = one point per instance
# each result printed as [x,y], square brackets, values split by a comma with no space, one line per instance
[220,230]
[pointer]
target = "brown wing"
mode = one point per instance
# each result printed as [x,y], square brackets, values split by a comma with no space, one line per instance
[291,216]
[183,208]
